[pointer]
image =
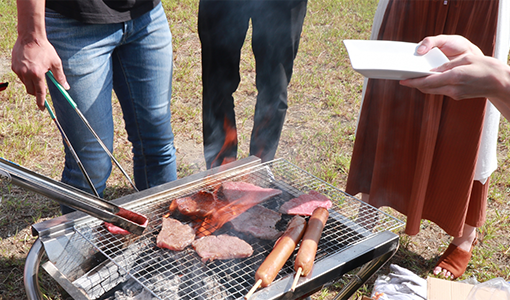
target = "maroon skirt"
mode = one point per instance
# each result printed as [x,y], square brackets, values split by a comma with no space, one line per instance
[414,152]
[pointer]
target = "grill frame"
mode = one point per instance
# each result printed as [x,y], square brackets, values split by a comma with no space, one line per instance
[368,251]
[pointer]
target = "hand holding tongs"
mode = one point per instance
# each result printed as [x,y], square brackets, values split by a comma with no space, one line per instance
[73,197]
[75,107]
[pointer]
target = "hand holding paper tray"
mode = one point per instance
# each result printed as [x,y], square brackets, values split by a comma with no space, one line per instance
[392,60]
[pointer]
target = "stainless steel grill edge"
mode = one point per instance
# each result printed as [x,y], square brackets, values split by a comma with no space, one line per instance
[89,262]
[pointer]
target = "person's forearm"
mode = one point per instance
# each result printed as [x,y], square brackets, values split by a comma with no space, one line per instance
[501,97]
[31,24]
[503,107]
[32,54]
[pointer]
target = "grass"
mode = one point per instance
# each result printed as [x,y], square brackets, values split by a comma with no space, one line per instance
[318,135]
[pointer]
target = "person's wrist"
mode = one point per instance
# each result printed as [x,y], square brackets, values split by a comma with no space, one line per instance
[502,79]
[475,50]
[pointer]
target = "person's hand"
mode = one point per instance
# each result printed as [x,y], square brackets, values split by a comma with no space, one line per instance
[453,46]
[468,76]
[31,59]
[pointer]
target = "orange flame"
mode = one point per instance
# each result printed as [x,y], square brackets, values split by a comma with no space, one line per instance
[233,208]
[230,140]
[210,210]
[226,213]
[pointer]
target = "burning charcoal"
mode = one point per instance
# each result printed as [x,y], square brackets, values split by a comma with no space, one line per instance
[211,289]
[205,285]
[132,290]
[100,279]
[166,284]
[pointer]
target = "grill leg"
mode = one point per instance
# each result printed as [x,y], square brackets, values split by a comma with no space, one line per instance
[363,275]
[31,271]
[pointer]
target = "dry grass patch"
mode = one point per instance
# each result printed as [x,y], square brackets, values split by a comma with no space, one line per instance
[318,135]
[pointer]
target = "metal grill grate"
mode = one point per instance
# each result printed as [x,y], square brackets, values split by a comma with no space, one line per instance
[182,275]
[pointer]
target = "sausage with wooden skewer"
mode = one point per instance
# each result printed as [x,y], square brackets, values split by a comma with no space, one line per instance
[281,252]
[308,248]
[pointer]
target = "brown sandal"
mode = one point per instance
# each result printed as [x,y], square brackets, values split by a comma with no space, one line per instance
[455,260]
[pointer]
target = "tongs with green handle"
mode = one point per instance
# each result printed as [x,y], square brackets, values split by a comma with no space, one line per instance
[75,107]
[71,149]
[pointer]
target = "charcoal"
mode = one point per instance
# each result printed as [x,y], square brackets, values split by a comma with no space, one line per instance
[206,285]
[132,290]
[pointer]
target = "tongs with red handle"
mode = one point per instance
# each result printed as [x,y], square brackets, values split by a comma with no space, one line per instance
[65,194]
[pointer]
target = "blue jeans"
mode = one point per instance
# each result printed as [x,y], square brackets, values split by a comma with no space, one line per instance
[135,60]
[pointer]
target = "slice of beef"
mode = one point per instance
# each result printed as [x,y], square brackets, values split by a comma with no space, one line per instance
[221,247]
[233,190]
[251,195]
[197,205]
[305,204]
[259,222]
[174,235]
[115,229]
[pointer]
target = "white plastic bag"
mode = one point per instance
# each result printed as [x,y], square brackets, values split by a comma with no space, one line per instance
[400,284]
[494,289]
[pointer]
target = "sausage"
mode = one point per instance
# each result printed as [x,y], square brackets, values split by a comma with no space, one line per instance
[308,248]
[281,251]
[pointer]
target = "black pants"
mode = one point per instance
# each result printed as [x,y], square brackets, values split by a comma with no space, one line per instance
[222,27]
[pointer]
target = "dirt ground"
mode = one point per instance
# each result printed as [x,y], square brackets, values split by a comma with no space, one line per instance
[5,66]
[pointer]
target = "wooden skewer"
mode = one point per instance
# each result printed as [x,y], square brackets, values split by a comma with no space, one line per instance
[296,278]
[253,289]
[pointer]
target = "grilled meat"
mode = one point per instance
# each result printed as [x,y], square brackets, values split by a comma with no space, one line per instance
[259,222]
[233,190]
[250,195]
[221,247]
[197,205]
[305,204]
[174,235]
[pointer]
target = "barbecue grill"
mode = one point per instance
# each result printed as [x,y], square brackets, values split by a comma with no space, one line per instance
[91,263]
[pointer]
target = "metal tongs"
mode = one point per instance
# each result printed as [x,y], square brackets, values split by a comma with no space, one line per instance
[73,197]
[82,117]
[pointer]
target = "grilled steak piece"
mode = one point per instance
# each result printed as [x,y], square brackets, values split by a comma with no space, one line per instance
[221,247]
[197,205]
[305,204]
[249,196]
[174,235]
[259,222]
[233,190]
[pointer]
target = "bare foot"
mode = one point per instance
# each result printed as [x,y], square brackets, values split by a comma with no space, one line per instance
[464,242]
